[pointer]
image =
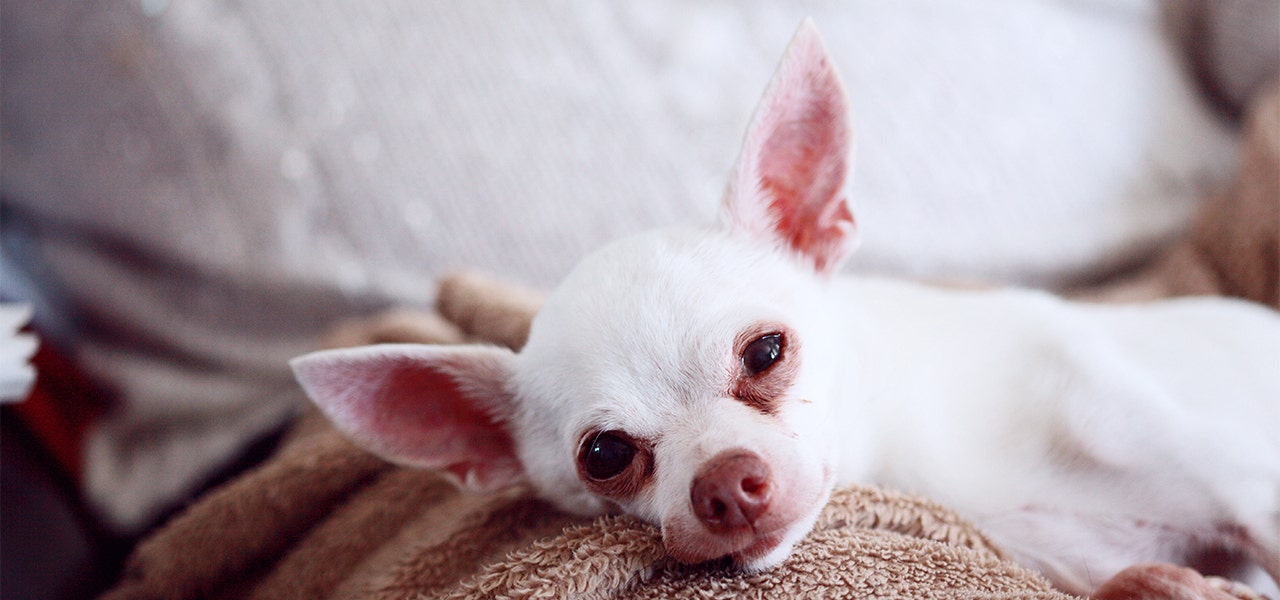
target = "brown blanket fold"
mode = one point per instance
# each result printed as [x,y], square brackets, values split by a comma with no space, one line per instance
[325,519]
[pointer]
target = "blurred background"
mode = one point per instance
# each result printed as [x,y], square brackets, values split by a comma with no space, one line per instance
[192,191]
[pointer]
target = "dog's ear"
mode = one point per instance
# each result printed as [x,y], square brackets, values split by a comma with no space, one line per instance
[788,186]
[437,407]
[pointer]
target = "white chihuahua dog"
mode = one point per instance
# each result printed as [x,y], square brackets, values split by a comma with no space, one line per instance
[720,382]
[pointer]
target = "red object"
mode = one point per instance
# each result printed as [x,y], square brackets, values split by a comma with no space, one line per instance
[62,405]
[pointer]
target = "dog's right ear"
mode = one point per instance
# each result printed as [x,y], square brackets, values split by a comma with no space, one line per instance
[788,187]
[436,407]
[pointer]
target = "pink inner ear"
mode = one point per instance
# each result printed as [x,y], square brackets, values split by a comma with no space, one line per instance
[802,170]
[797,156]
[420,406]
[424,417]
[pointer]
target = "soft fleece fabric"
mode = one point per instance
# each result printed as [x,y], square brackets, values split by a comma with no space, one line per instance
[326,520]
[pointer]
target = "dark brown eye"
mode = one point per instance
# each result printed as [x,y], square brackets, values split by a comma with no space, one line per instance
[607,455]
[762,353]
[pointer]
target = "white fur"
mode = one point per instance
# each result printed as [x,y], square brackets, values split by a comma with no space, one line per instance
[1083,438]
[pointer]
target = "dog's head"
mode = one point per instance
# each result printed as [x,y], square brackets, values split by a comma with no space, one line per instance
[680,376]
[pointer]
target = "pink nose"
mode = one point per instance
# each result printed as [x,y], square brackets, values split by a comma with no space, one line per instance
[731,491]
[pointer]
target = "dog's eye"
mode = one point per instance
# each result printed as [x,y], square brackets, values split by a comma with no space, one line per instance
[608,455]
[762,353]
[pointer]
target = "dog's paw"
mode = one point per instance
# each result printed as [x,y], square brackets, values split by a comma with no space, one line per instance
[1235,589]
[1172,582]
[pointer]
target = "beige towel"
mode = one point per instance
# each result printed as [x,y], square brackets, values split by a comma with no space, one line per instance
[325,519]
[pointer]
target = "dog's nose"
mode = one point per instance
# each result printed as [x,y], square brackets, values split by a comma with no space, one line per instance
[731,491]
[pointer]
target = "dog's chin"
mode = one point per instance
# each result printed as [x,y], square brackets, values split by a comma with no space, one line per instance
[749,551]
[766,553]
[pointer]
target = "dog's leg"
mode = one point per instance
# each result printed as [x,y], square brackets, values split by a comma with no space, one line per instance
[1158,580]
[1079,551]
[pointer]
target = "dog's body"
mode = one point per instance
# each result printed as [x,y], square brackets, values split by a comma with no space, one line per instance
[721,382]
[1083,438]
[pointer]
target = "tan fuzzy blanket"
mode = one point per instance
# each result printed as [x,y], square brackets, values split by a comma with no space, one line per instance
[323,519]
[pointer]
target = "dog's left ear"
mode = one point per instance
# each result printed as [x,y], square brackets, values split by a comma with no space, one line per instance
[434,407]
[788,186]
